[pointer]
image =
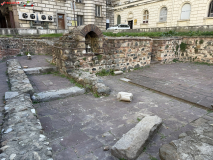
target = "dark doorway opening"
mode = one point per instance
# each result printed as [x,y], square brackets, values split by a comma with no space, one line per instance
[130,23]
[61,23]
[107,25]
[92,41]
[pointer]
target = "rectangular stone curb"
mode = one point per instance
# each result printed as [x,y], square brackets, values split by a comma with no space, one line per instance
[39,70]
[55,94]
[131,145]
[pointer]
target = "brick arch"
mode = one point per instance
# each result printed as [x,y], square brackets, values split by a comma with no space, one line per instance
[85,29]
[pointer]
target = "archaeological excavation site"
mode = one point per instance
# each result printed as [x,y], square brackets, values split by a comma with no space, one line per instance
[89,96]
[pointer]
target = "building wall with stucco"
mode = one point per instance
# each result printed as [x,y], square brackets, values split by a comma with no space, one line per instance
[134,10]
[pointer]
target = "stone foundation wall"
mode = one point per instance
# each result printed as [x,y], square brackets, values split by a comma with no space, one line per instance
[22,133]
[119,54]
[198,49]
[23,45]
[165,50]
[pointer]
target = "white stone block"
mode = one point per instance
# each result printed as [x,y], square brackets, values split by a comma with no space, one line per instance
[124,96]
[131,145]
[118,72]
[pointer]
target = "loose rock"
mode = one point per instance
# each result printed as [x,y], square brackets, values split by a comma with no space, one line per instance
[124,96]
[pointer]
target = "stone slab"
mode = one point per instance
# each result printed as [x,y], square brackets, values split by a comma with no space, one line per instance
[192,145]
[131,145]
[39,70]
[125,79]
[9,95]
[55,94]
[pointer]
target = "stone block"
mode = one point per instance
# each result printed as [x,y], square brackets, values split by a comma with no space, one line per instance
[131,145]
[118,72]
[124,96]
[55,94]
[9,95]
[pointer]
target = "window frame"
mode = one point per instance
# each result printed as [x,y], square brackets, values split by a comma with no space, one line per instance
[210,11]
[79,1]
[146,17]
[185,12]
[163,16]
[118,19]
[82,20]
[98,8]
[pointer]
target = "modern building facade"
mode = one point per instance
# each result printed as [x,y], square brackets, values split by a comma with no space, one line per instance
[55,14]
[163,13]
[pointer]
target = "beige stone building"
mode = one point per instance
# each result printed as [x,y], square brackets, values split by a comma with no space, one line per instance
[53,14]
[163,13]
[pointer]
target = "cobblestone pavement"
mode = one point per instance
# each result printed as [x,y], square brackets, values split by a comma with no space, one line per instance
[188,81]
[79,127]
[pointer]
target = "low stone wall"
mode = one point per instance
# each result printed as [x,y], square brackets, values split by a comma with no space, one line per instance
[119,54]
[166,29]
[22,134]
[90,82]
[23,45]
[165,50]
[18,79]
[198,49]
[22,31]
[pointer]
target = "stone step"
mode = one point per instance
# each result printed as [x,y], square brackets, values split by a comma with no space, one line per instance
[131,145]
[56,94]
[39,70]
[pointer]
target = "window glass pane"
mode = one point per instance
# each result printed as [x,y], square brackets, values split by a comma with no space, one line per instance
[185,14]
[163,14]
[211,9]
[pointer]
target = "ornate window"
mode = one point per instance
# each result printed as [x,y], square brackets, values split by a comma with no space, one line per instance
[163,14]
[185,12]
[146,16]
[119,19]
[211,10]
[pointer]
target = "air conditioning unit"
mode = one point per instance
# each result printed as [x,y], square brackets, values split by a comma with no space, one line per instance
[42,17]
[27,16]
[32,16]
[50,18]
[46,18]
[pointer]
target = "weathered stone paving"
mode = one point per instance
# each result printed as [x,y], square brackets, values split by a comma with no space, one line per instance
[80,127]
[188,81]
[195,144]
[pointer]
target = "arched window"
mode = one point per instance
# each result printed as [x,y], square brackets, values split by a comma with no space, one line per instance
[211,10]
[146,16]
[119,19]
[185,12]
[163,14]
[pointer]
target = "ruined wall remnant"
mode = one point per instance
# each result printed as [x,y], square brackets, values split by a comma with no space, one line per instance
[86,48]
[165,50]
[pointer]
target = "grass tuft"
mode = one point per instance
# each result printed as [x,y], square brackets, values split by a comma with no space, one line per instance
[55,35]
[160,34]
[104,72]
